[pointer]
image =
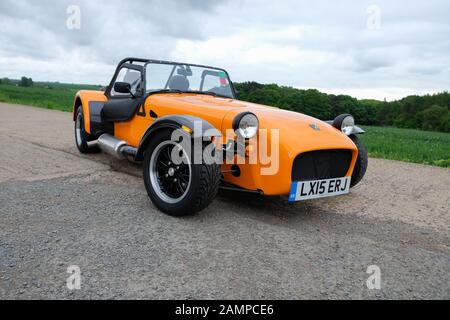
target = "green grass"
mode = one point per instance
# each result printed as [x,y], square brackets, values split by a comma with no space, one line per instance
[46,95]
[417,146]
[409,145]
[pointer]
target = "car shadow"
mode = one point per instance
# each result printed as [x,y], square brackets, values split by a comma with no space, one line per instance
[252,205]
[277,207]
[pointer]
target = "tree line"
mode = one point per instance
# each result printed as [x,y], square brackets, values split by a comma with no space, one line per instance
[23,82]
[429,112]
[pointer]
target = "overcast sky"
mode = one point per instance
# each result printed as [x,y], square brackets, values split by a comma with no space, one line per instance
[368,49]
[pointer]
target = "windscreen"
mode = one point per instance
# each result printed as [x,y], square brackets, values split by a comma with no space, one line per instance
[187,78]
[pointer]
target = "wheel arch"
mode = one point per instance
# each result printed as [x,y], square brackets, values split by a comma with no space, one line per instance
[197,127]
[82,99]
[76,104]
[362,161]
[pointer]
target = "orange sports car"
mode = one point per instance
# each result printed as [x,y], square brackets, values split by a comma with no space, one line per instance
[185,124]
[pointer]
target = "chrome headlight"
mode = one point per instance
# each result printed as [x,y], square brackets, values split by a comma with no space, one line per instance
[246,125]
[347,125]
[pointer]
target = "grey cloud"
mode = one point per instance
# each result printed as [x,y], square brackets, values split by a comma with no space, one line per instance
[427,69]
[372,60]
[299,43]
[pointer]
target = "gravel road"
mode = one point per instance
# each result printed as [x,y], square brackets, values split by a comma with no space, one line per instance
[59,208]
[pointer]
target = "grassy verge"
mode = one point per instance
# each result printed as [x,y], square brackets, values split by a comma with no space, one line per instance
[417,146]
[51,96]
[409,145]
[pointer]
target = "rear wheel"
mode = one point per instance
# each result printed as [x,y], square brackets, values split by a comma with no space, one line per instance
[361,162]
[178,189]
[81,136]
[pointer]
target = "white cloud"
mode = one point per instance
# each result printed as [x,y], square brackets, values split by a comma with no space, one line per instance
[320,44]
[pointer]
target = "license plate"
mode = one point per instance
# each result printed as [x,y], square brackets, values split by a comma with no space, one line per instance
[304,190]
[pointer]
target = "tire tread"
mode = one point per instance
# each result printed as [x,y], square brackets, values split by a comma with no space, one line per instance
[361,162]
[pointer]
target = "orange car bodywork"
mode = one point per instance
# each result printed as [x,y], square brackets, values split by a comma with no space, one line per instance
[295,133]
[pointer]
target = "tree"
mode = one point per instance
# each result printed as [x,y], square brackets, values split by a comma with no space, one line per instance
[446,123]
[434,118]
[26,82]
[429,112]
[317,104]
[6,81]
[268,96]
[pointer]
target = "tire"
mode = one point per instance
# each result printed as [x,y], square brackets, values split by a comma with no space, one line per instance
[361,162]
[177,190]
[81,136]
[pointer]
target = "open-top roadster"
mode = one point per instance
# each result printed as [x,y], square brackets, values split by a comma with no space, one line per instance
[184,122]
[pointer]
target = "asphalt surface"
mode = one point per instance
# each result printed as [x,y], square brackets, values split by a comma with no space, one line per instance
[59,208]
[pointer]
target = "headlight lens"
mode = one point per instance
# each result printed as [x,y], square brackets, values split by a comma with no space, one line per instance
[347,125]
[246,125]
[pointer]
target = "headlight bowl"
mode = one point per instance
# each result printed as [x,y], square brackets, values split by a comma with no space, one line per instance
[246,125]
[345,123]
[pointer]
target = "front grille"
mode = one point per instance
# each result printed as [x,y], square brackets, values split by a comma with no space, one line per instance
[322,164]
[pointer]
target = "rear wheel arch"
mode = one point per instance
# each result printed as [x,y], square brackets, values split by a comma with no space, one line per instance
[81,136]
[77,104]
[82,101]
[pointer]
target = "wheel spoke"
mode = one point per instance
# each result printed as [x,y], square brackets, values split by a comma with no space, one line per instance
[172,180]
[180,187]
[163,157]
[173,188]
[169,150]
[184,175]
[162,163]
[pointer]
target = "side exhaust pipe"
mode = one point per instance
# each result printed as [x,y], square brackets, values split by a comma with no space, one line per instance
[115,147]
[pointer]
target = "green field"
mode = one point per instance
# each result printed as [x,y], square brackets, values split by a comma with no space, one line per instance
[409,145]
[46,95]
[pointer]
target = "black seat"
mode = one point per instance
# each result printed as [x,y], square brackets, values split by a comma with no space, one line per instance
[179,82]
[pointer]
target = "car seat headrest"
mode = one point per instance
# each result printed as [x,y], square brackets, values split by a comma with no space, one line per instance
[179,82]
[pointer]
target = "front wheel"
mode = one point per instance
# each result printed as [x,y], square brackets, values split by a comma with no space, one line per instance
[178,189]
[361,162]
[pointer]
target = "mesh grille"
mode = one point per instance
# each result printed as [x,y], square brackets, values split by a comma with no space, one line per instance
[322,164]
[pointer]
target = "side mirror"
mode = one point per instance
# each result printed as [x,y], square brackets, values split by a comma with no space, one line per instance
[236,93]
[122,87]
